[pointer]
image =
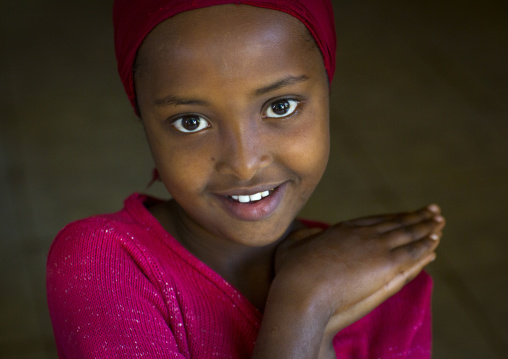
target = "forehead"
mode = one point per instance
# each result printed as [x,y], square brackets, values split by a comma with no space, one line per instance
[230,41]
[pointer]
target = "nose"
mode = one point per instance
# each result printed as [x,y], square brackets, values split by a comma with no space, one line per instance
[244,152]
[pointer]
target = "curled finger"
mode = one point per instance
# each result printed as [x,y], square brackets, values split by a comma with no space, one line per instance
[406,234]
[408,219]
[415,251]
[406,275]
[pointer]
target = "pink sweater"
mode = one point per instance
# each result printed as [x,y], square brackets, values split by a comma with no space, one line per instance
[120,286]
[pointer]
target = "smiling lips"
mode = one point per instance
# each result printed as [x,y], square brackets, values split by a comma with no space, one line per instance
[256,206]
[251,198]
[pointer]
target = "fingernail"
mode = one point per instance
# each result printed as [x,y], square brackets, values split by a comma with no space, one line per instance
[438,218]
[433,208]
[434,237]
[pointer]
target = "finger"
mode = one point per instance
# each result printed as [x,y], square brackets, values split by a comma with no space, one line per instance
[407,219]
[412,252]
[406,234]
[371,220]
[393,217]
[406,275]
[366,305]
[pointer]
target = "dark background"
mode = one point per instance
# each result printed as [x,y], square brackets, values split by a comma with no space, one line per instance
[419,115]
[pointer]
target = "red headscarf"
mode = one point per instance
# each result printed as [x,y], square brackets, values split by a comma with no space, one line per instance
[134,19]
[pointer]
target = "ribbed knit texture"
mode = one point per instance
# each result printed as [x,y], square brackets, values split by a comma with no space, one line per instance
[120,286]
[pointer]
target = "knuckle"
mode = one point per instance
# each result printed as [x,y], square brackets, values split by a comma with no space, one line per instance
[409,230]
[365,232]
[413,251]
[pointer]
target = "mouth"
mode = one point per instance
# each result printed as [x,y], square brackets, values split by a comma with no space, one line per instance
[253,198]
[253,204]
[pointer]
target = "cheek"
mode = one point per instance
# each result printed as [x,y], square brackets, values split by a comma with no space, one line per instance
[308,148]
[184,167]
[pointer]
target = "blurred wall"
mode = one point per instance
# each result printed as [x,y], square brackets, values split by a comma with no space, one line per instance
[418,115]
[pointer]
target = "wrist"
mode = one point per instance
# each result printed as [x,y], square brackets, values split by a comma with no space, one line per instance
[301,298]
[293,323]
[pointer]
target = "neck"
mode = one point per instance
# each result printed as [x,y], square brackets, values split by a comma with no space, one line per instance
[248,269]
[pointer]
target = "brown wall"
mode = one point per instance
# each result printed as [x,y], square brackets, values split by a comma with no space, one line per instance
[419,115]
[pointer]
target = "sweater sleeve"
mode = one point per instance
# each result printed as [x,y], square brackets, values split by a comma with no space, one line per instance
[398,328]
[422,340]
[102,301]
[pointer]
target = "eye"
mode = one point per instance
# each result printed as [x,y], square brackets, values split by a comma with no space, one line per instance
[190,123]
[281,108]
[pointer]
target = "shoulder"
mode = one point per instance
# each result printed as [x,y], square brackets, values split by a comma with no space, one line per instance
[86,234]
[100,257]
[94,244]
[104,285]
[105,229]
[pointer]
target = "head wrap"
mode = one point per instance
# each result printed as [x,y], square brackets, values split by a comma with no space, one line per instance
[134,19]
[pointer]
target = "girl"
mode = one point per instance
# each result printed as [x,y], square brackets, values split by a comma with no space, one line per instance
[234,101]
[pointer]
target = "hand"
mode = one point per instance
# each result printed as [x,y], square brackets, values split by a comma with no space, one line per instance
[353,266]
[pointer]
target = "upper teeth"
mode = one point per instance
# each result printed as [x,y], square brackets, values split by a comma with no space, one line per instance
[253,197]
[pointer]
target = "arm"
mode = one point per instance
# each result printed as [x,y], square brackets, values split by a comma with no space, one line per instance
[328,280]
[101,303]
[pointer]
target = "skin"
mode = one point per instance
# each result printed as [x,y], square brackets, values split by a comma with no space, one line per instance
[309,283]
[241,149]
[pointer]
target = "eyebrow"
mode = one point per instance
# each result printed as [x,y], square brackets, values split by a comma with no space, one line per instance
[286,81]
[175,101]
[171,100]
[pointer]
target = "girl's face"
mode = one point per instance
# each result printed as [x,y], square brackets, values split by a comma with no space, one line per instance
[234,100]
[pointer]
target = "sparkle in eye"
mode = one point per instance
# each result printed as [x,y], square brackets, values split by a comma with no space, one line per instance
[191,123]
[281,108]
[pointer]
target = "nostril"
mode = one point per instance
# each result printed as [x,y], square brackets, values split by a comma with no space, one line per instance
[266,160]
[242,167]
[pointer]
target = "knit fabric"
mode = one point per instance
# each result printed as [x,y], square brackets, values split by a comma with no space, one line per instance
[120,286]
